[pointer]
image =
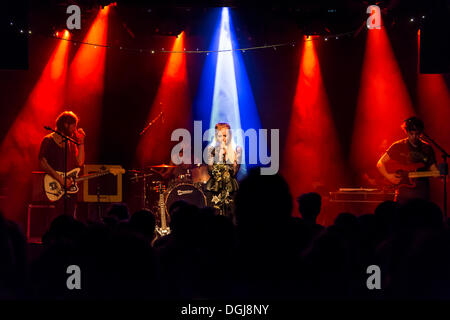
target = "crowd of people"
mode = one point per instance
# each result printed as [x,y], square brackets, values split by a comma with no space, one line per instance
[265,254]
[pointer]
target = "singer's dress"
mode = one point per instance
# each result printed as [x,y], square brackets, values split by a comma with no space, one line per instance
[214,187]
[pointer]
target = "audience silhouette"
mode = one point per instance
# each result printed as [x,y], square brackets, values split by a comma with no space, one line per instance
[266,254]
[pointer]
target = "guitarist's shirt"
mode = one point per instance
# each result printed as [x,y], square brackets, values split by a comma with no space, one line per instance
[55,154]
[405,153]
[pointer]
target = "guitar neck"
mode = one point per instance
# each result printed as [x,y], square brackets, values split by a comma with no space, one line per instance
[163,213]
[424,174]
[90,176]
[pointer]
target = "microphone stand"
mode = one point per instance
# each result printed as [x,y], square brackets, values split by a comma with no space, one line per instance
[443,168]
[225,163]
[66,140]
[150,124]
[99,205]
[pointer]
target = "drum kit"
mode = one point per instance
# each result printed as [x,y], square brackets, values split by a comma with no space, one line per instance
[162,185]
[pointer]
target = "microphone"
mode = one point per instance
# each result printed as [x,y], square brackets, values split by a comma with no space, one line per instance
[222,147]
[48,128]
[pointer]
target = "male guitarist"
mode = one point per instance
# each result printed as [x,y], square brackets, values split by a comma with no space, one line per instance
[411,151]
[51,155]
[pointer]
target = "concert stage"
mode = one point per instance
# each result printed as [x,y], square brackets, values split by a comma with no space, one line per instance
[295,119]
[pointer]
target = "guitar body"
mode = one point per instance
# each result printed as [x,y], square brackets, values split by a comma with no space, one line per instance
[53,189]
[404,172]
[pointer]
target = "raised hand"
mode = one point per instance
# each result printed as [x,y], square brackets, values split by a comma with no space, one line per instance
[81,135]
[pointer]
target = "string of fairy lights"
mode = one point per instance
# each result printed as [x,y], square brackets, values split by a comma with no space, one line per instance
[312,37]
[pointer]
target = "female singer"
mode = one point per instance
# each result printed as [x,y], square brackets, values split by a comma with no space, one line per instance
[224,159]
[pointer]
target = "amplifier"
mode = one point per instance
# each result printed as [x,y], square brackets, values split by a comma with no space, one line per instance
[361,195]
[39,218]
[37,187]
[357,201]
[106,188]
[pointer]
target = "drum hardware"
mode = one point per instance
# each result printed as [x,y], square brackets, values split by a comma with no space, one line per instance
[145,193]
[141,176]
[159,187]
[158,195]
[182,178]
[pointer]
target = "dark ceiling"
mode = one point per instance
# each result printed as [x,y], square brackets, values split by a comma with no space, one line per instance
[311,16]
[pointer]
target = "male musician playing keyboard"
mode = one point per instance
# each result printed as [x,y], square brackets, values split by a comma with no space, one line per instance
[411,150]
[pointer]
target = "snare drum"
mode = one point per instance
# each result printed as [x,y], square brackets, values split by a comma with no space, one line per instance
[186,192]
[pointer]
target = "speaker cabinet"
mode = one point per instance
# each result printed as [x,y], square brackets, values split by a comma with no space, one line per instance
[37,187]
[39,218]
[106,188]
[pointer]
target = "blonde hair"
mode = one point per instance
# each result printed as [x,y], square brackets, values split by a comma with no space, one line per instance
[222,125]
[230,145]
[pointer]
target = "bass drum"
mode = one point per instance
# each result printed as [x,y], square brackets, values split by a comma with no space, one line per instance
[186,192]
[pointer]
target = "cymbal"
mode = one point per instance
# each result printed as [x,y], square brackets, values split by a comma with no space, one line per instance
[162,166]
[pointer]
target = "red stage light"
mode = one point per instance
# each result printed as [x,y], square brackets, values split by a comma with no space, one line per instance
[173,100]
[307,165]
[86,81]
[383,104]
[66,35]
[19,149]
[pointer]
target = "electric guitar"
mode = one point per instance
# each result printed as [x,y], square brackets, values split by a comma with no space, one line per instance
[54,190]
[163,229]
[408,173]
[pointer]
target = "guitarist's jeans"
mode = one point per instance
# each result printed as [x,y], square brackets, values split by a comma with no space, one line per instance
[71,206]
[422,191]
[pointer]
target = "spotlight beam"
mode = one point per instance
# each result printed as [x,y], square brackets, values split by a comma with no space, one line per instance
[225,104]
